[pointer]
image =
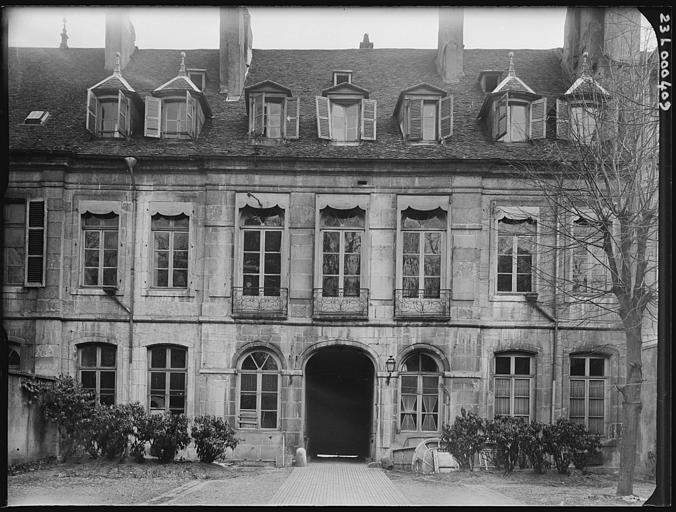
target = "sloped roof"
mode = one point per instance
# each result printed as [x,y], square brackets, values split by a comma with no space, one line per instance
[57,80]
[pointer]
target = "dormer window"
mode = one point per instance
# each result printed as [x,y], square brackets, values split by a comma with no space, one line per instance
[198,77]
[585,112]
[489,80]
[346,115]
[111,106]
[342,77]
[176,109]
[424,113]
[36,117]
[513,112]
[273,112]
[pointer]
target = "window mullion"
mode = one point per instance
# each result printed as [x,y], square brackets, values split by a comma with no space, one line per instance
[259,399]
[99,280]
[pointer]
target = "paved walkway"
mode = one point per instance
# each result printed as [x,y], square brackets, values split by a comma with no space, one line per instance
[339,483]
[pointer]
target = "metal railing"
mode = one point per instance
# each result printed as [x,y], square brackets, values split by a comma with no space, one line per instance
[260,302]
[408,305]
[338,304]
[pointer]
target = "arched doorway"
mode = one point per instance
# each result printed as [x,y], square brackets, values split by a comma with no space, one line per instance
[339,402]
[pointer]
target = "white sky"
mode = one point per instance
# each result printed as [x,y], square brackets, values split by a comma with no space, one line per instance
[293,27]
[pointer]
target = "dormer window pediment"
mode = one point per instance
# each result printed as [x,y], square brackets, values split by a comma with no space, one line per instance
[424,114]
[273,112]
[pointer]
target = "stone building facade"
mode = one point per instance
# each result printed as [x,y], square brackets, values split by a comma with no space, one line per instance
[305,243]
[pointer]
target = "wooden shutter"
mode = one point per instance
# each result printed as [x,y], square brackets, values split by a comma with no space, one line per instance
[415,119]
[199,118]
[190,114]
[323,117]
[501,116]
[257,114]
[538,119]
[609,120]
[36,242]
[368,119]
[291,118]
[153,117]
[92,112]
[122,114]
[445,117]
[562,120]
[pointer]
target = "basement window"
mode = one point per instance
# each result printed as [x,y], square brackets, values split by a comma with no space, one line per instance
[37,117]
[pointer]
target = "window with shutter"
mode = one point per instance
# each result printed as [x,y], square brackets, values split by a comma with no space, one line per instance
[368,119]
[445,117]
[538,119]
[153,117]
[36,242]
[291,118]
[14,242]
[92,112]
[501,117]
[323,118]
[123,115]
[415,109]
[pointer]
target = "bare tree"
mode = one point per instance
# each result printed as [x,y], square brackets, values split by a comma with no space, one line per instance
[601,186]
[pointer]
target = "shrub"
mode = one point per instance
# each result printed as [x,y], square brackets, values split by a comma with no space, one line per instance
[505,433]
[111,427]
[565,440]
[67,404]
[167,433]
[532,445]
[464,438]
[212,436]
[585,445]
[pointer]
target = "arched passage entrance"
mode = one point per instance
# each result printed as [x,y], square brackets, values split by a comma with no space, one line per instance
[339,402]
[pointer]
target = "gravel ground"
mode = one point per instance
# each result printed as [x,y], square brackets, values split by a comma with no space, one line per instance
[103,482]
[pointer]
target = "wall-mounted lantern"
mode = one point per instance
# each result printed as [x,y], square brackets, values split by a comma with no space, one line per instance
[390,365]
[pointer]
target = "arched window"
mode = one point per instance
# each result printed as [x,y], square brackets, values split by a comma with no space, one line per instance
[514,384]
[168,369]
[98,364]
[258,391]
[419,394]
[14,357]
[587,391]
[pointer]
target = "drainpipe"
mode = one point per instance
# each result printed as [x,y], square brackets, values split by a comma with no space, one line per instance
[131,162]
[555,334]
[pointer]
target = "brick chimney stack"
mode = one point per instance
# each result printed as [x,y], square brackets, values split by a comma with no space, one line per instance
[450,46]
[120,37]
[236,41]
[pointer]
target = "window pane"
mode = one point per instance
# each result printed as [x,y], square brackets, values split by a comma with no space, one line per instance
[411,243]
[596,389]
[576,408]
[252,240]
[110,240]
[577,389]
[158,382]
[250,285]
[249,363]
[430,385]
[157,401]
[88,380]
[177,403]
[251,262]
[523,264]
[504,282]
[273,263]
[432,243]
[521,387]
[248,381]
[161,241]
[247,401]
[162,278]
[352,242]
[352,265]
[501,406]
[108,356]
[577,366]
[107,398]
[330,264]
[180,259]
[107,380]
[88,356]
[269,401]
[110,258]
[521,406]
[91,239]
[427,364]
[523,283]
[161,259]
[351,287]
[522,365]
[502,365]
[503,387]
[268,419]
[596,425]
[331,242]
[596,367]
[178,358]
[176,381]
[180,279]
[273,241]
[109,277]
[91,258]
[270,382]
[410,285]
[269,364]
[432,265]
[432,287]
[158,357]
[409,384]
[411,266]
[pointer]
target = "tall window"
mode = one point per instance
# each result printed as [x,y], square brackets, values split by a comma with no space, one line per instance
[273,119]
[589,258]
[168,367]
[518,128]
[100,233]
[516,250]
[345,121]
[514,375]
[170,250]
[14,242]
[97,370]
[341,235]
[429,120]
[423,234]
[419,394]
[258,391]
[108,117]
[587,392]
[583,122]
[262,230]
[174,118]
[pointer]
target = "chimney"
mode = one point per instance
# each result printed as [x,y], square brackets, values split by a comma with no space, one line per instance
[450,47]
[64,36]
[366,43]
[120,37]
[236,41]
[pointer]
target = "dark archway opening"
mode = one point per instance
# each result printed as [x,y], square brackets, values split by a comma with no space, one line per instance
[339,402]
